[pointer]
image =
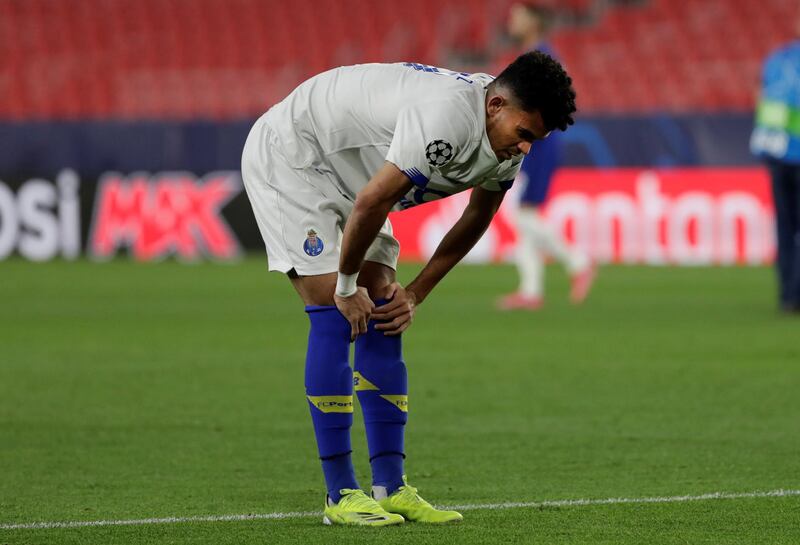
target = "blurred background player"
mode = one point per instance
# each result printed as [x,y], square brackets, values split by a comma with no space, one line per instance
[528,25]
[776,139]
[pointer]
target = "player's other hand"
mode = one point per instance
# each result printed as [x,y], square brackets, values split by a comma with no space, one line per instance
[357,309]
[398,313]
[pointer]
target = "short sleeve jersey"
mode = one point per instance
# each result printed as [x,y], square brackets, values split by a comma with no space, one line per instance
[430,122]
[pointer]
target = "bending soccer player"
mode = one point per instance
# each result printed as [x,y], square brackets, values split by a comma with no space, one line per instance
[322,169]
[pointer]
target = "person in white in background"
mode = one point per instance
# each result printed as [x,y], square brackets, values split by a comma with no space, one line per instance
[528,24]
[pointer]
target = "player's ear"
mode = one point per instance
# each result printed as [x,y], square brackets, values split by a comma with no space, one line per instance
[495,104]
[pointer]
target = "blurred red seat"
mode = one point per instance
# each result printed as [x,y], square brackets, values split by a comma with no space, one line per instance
[183,58]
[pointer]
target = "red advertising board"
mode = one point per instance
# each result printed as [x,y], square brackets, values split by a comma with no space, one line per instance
[168,213]
[696,216]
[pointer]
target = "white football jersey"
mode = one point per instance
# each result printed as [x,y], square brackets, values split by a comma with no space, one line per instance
[429,122]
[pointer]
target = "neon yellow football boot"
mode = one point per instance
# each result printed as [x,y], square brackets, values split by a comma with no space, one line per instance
[405,501]
[357,509]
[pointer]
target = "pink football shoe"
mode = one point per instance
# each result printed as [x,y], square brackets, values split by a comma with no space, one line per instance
[581,284]
[519,301]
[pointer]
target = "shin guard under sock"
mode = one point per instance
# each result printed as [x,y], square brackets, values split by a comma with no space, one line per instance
[382,388]
[329,389]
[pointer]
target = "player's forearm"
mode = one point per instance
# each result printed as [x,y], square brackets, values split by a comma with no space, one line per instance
[360,230]
[454,246]
[372,206]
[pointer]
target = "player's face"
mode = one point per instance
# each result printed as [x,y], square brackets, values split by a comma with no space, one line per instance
[511,130]
[522,24]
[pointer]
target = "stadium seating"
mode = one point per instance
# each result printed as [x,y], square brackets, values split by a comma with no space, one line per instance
[675,56]
[223,59]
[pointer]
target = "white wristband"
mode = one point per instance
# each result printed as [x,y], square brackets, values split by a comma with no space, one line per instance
[346,284]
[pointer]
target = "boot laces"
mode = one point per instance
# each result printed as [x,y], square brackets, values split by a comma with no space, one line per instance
[409,493]
[358,500]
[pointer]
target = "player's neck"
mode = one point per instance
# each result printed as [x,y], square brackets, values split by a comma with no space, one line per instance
[533,41]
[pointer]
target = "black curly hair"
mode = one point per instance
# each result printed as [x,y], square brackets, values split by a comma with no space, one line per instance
[540,83]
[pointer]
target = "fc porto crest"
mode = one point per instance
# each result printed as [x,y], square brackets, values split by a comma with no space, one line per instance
[313,245]
[439,153]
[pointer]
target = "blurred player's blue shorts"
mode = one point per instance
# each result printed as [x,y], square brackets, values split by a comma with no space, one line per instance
[538,168]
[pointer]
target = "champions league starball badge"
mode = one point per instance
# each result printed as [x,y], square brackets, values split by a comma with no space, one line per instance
[313,245]
[439,153]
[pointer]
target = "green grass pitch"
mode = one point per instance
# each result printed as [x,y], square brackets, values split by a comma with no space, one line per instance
[136,391]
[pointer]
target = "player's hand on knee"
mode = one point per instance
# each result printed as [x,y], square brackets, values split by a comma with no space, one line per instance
[357,309]
[398,313]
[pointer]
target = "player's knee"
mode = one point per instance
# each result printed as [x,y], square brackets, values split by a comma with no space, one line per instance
[315,290]
[377,278]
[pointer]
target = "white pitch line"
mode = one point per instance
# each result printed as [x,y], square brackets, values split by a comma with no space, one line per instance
[167,520]
[780,493]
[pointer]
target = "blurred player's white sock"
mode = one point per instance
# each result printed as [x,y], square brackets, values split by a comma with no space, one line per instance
[537,239]
[530,262]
